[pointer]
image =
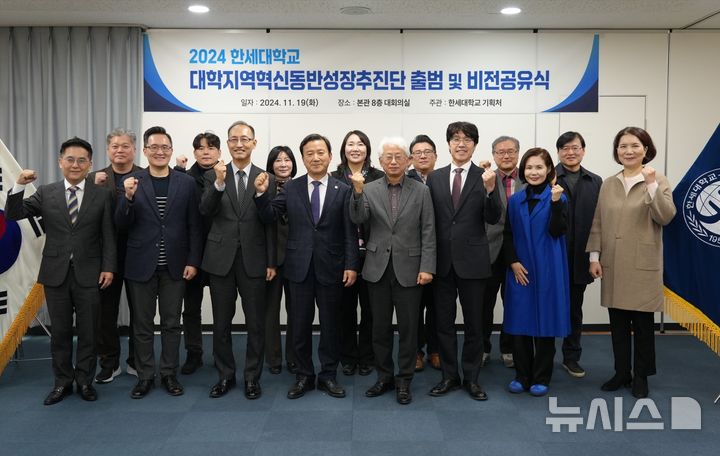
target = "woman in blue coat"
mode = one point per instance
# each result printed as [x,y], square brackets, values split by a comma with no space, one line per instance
[537,303]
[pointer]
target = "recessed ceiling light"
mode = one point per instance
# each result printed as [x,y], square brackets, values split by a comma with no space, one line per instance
[511,10]
[355,10]
[198,9]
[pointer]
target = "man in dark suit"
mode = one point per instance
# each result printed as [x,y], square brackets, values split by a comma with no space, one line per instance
[464,199]
[121,154]
[321,256]
[400,258]
[206,149]
[582,189]
[505,151]
[239,257]
[79,258]
[159,210]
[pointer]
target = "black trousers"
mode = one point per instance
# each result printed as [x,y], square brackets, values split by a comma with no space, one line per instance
[108,338]
[167,294]
[427,330]
[224,291]
[471,292]
[273,342]
[494,284]
[626,325]
[387,295]
[533,358]
[356,345]
[571,348]
[192,313]
[62,302]
[304,295]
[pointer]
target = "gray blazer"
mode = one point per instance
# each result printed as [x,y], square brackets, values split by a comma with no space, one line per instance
[495,232]
[410,241]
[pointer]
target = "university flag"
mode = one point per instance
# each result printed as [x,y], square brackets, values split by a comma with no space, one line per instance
[21,245]
[692,248]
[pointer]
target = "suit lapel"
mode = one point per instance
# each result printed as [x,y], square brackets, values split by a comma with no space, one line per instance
[231,189]
[145,183]
[470,182]
[444,189]
[330,194]
[304,197]
[60,200]
[247,196]
[172,189]
[88,198]
[405,193]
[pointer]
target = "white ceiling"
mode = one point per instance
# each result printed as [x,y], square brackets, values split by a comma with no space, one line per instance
[388,14]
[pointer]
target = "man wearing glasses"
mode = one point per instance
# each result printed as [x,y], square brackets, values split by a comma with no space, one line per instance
[464,198]
[159,210]
[505,152]
[78,260]
[582,189]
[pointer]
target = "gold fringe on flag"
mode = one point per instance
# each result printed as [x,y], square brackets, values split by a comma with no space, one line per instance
[692,319]
[19,326]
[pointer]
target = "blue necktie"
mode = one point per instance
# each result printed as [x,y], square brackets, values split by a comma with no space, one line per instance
[315,201]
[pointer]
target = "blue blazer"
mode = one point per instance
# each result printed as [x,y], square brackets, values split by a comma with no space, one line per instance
[181,227]
[330,247]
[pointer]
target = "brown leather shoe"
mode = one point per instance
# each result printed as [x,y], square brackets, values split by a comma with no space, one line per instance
[419,363]
[434,359]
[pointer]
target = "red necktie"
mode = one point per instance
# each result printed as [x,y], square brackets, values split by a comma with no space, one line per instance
[457,187]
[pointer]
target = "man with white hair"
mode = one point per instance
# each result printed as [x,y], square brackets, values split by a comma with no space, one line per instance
[400,258]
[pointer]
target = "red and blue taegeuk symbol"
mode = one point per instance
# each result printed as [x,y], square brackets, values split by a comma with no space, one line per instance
[10,242]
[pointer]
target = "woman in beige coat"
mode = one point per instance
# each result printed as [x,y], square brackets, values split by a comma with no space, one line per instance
[625,248]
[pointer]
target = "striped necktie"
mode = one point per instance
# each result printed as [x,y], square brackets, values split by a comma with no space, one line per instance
[73,204]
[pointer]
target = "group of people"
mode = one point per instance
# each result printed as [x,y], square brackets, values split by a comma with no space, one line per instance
[408,239]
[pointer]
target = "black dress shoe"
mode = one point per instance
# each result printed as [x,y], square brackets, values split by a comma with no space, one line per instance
[222,387]
[331,387]
[252,389]
[403,395]
[172,386]
[365,369]
[193,362]
[292,367]
[275,369]
[618,381]
[302,385]
[640,387]
[57,394]
[349,369]
[87,392]
[444,387]
[476,391]
[142,388]
[379,388]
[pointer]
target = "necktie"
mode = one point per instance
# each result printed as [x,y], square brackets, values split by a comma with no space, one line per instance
[508,186]
[73,204]
[457,187]
[315,201]
[241,185]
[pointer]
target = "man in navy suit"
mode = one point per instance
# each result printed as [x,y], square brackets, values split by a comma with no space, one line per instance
[464,199]
[321,256]
[159,210]
[78,260]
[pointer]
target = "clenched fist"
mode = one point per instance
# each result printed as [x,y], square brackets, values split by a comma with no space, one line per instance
[220,173]
[358,181]
[261,182]
[181,161]
[100,178]
[26,176]
[130,184]
[556,191]
[485,164]
[648,173]
[489,179]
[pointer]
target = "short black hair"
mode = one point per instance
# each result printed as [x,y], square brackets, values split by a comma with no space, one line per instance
[314,137]
[155,131]
[644,138]
[275,153]
[76,142]
[567,137]
[422,139]
[469,129]
[212,139]
[545,156]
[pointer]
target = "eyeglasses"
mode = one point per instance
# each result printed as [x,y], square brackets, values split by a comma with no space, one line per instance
[398,158]
[72,160]
[464,140]
[157,148]
[571,148]
[418,153]
[505,152]
[242,139]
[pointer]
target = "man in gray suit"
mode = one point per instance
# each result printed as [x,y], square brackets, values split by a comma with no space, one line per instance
[239,257]
[78,260]
[400,258]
